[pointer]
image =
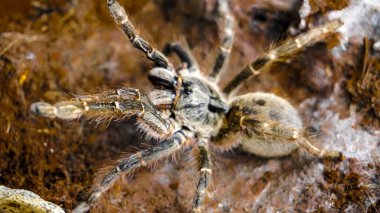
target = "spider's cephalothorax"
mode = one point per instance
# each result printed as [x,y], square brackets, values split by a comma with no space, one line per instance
[187,109]
[193,101]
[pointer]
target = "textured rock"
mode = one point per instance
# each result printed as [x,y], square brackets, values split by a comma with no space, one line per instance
[20,200]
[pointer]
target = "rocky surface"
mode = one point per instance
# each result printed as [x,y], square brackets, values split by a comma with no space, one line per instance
[19,200]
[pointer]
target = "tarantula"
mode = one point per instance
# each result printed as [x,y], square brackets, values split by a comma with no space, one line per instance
[188,110]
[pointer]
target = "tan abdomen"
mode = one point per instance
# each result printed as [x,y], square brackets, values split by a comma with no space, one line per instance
[270,124]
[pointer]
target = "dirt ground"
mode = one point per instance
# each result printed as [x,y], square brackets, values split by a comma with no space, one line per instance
[57,47]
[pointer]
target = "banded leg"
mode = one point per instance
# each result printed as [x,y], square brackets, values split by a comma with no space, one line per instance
[266,138]
[226,24]
[204,179]
[182,53]
[121,18]
[286,50]
[111,104]
[128,164]
[321,153]
[278,135]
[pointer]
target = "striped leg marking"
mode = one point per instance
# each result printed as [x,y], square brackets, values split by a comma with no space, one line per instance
[204,168]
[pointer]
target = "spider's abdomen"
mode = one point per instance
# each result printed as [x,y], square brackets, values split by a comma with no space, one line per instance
[270,124]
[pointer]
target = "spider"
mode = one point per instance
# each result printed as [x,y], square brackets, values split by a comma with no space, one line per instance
[188,110]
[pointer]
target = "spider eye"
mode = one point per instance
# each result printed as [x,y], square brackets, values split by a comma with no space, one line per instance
[187,88]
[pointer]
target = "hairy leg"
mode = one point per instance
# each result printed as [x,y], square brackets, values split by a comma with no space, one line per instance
[121,18]
[205,171]
[280,53]
[111,104]
[128,164]
[269,135]
[226,25]
[277,132]
[321,153]
[182,53]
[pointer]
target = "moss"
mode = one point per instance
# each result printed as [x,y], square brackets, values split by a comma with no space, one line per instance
[364,82]
[325,6]
[348,188]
